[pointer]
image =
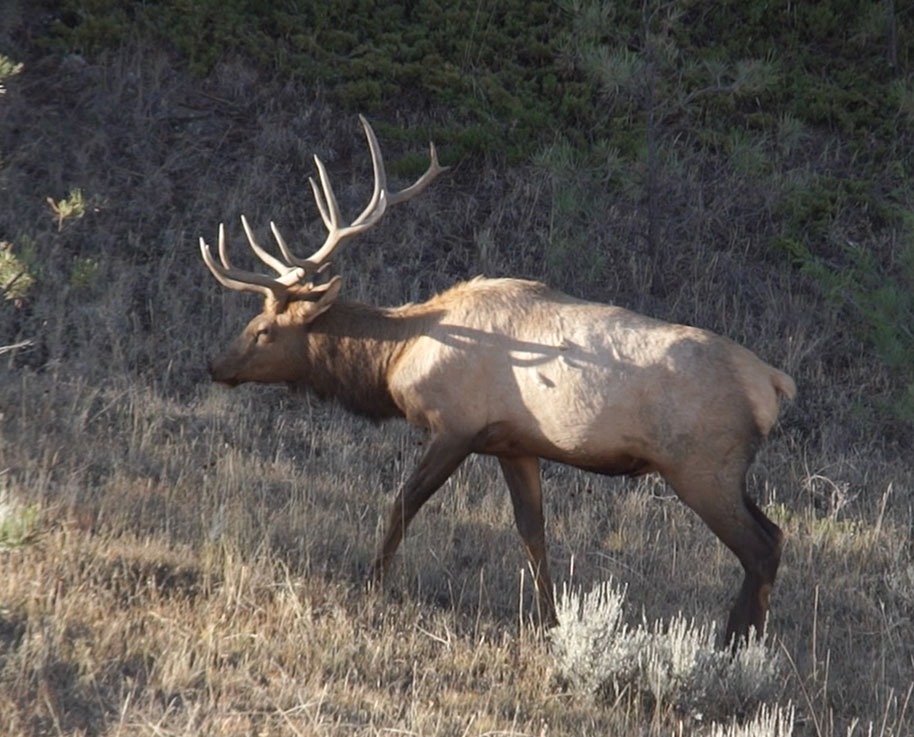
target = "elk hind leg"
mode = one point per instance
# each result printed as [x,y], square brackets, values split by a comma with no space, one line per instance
[751,606]
[754,539]
[523,477]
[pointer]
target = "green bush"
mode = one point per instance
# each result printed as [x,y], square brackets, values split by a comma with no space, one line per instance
[524,74]
[8,68]
[857,244]
[15,276]
[19,524]
[879,299]
[480,67]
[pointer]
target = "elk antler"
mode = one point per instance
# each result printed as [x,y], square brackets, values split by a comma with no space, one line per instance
[295,270]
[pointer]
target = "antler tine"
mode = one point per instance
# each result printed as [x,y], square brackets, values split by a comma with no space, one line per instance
[223,251]
[284,249]
[380,173]
[278,266]
[421,184]
[237,279]
[288,275]
[329,207]
[377,206]
[319,199]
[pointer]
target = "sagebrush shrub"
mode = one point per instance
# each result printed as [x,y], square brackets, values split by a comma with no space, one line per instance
[770,721]
[594,647]
[675,664]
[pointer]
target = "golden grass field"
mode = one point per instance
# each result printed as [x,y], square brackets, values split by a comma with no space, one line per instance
[183,559]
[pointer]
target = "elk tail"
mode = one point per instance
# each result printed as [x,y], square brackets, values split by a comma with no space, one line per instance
[783,384]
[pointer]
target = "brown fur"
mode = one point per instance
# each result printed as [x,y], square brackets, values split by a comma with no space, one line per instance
[513,369]
[350,351]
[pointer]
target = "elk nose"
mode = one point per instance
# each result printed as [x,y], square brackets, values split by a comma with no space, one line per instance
[219,378]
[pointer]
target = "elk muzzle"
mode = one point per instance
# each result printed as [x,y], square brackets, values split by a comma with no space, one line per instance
[219,375]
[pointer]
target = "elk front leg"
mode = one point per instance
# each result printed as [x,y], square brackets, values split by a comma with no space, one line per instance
[442,457]
[523,477]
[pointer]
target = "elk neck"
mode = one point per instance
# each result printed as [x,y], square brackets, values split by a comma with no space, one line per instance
[350,349]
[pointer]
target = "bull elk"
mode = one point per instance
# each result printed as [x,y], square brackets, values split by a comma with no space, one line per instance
[515,370]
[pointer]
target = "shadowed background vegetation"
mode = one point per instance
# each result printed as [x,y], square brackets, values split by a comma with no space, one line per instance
[182,559]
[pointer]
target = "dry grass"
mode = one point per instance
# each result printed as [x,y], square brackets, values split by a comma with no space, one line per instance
[198,563]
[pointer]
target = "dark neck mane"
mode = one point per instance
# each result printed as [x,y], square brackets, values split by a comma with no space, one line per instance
[350,351]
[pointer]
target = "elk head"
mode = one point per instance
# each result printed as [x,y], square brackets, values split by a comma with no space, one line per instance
[266,351]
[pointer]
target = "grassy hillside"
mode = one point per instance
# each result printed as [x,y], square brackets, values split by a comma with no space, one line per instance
[182,559]
[785,131]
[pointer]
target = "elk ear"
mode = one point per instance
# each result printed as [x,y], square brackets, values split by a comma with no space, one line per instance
[319,298]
